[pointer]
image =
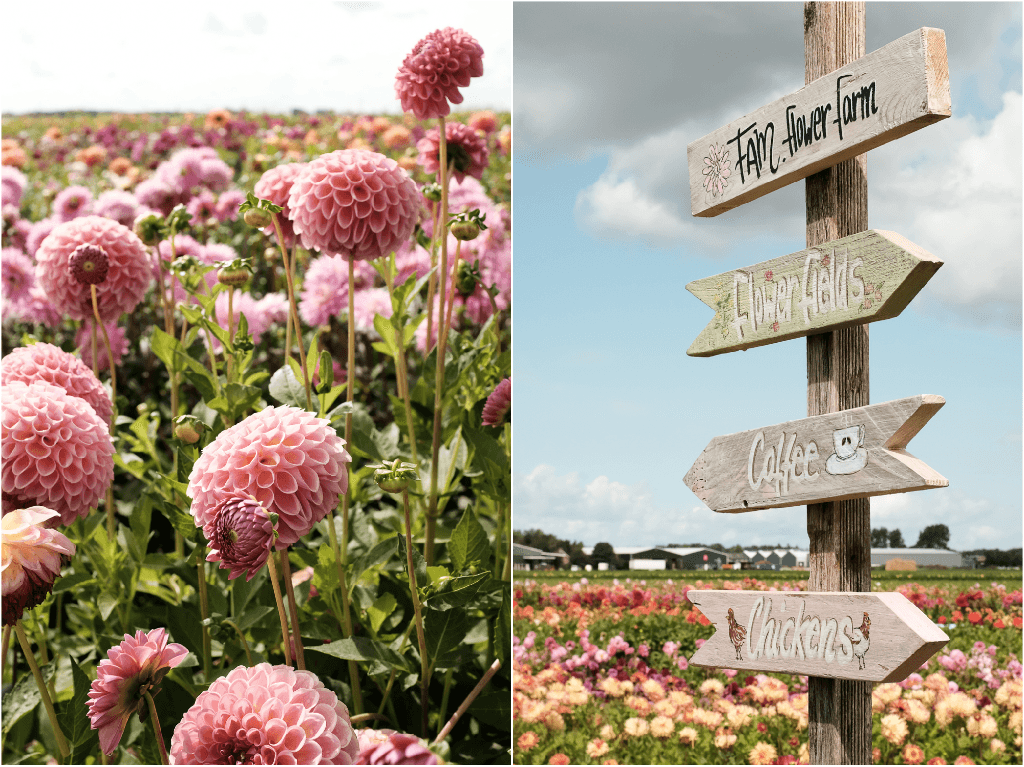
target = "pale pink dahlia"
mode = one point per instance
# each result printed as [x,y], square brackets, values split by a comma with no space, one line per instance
[265,715]
[32,556]
[498,403]
[325,288]
[40,231]
[17,275]
[466,151]
[275,185]
[56,451]
[390,747]
[129,275]
[12,185]
[72,202]
[118,336]
[241,536]
[292,462]
[118,205]
[354,203]
[49,363]
[130,670]
[429,79]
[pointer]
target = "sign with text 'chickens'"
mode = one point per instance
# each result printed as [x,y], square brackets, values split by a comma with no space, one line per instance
[880,97]
[854,453]
[872,637]
[866,277]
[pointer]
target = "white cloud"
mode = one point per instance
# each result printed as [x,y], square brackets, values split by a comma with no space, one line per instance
[967,518]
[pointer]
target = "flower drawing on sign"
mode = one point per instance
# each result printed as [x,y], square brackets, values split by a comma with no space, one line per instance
[871,294]
[849,457]
[768,276]
[716,169]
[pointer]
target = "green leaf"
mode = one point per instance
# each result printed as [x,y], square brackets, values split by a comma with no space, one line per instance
[437,573]
[418,562]
[381,608]
[493,707]
[382,552]
[325,572]
[503,626]
[458,592]
[72,716]
[468,543]
[140,522]
[286,388]
[72,581]
[451,458]
[363,443]
[181,521]
[444,633]
[254,615]
[185,628]
[21,700]
[363,649]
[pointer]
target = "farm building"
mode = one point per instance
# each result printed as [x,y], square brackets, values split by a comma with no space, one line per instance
[777,558]
[663,558]
[923,557]
[529,558]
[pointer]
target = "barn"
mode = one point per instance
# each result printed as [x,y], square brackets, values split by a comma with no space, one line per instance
[923,557]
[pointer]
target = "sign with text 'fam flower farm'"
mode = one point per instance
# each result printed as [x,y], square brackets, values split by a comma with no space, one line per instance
[851,454]
[887,94]
[873,637]
[865,277]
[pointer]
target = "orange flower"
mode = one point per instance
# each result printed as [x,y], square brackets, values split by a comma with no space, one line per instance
[92,155]
[913,754]
[703,621]
[957,616]
[999,624]
[558,759]
[974,617]
[527,740]
[120,166]
[218,118]
[54,133]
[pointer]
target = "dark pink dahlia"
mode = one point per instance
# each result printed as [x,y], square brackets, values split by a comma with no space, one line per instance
[466,151]
[429,79]
[354,203]
[241,536]
[390,747]
[498,403]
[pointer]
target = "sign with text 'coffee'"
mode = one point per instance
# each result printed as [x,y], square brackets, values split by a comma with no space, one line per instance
[879,637]
[880,97]
[866,277]
[851,454]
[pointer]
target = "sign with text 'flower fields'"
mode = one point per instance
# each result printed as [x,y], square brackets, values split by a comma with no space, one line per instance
[882,96]
[865,277]
[854,453]
[839,635]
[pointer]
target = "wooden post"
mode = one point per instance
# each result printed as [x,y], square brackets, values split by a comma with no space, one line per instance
[837,379]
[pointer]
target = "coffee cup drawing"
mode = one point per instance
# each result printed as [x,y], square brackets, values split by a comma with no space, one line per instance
[849,456]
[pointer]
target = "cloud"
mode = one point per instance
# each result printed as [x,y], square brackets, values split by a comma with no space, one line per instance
[968,518]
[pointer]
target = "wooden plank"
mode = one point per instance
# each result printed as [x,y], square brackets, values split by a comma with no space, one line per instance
[866,277]
[851,454]
[879,637]
[876,99]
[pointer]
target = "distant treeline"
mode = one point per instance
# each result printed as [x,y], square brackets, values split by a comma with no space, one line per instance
[998,558]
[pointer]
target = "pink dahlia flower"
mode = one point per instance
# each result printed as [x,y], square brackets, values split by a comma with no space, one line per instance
[215,252]
[486,121]
[118,205]
[466,151]
[49,363]
[325,288]
[366,304]
[390,747]
[40,231]
[37,308]
[241,536]
[275,185]
[32,556]
[118,336]
[130,670]
[354,203]
[71,203]
[498,403]
[12,186]
[202,207]
[290,461]
[129,275]
[265,715]
[429,79]
[227,204]
[17,275]
[56,451]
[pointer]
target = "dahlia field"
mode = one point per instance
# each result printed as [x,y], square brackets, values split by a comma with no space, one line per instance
[256,412]
[601,675]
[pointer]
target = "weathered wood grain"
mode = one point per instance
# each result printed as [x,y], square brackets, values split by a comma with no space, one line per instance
[855,453]
[876,99]
[879,637]
[866,277]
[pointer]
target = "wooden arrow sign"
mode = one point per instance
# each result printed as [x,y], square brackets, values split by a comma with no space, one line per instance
[880,97]
[866,277]
[851,454]
[840,635]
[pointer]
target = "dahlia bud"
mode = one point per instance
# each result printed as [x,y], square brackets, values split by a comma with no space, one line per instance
[468,278]
[465,230]
[89,264]
[233,277]
[150,229]
[394,477]
[188,429]
[432,192]
[257,218]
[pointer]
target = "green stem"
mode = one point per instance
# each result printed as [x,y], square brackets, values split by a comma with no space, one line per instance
[432,512]
[241,636]
[280,610]
[444,696]
[231,331]
[204,608]
[44,694]
[294,313]
[432,282]
[156,727]
[420,636]
[293,610]
[403,376]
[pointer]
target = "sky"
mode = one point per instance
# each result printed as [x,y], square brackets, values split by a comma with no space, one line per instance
[257,55]
[610,411]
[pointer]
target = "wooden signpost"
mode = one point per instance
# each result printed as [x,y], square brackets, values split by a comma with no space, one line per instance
[871,637]
[866,277]
[880,97]
[847,449]
[856,453]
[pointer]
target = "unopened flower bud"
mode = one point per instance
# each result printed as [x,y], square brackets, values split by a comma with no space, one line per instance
[394,477]
[467,279]
[88,264]
[257,218]
[149,229]
[465,230]
[432,192]
[188,428]
[234,277]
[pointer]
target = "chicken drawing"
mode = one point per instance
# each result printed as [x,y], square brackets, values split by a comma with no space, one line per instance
[737,634]
[860,640]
